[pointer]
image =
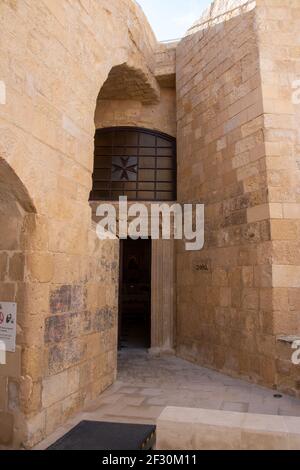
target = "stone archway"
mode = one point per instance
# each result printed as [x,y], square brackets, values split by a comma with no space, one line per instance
[17,211]
[129,97]
[130,81]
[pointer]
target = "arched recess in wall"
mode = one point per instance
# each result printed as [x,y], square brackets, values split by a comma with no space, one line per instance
[128,82]
[135,124]
[132,98]
[143,122]
[16,210]
[134,162]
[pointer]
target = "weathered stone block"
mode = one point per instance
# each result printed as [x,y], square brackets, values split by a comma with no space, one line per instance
[3,393]
[34,298]
[60,299]
[53,417]
[12,368]
[16,267]
[104,319]
[40,267]
[55,329]
[6,428]
[36,428]
[3,265]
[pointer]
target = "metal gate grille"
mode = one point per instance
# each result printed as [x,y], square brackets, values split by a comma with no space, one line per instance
[134,162]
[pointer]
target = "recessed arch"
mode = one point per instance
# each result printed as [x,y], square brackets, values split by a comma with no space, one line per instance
[16,207]
[129,81]
[12,190]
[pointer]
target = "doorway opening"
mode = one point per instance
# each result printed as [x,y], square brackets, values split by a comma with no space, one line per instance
[135,294]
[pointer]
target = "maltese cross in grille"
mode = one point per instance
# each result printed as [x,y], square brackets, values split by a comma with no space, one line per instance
[124,169]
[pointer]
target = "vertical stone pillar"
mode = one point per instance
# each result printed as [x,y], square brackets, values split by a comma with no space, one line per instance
[163,297]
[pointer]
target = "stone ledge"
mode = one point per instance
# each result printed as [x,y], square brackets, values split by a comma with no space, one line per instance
[199,429]
[220,11]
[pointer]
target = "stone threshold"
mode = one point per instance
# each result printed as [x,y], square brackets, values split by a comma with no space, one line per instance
[202,429]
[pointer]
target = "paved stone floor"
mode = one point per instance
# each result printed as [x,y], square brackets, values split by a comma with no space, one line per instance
[146,385]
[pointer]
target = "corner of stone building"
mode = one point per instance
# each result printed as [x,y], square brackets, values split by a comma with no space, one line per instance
[279,72]
[223,162]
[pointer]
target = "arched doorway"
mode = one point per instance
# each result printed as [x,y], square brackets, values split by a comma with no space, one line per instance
[135,294]
[16,208]
[140,164]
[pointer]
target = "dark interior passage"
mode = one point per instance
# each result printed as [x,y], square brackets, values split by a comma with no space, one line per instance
[135,294]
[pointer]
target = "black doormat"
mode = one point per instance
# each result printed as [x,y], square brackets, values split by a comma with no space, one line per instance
[92,435]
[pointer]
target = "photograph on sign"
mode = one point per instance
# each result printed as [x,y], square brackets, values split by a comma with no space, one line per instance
[8,325]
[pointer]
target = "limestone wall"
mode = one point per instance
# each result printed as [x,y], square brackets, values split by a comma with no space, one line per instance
[238,145]
[278,35]
[160,116]
[223,291]
[238,153]
[165,64]
[55,56]
[16,215]
[124,99]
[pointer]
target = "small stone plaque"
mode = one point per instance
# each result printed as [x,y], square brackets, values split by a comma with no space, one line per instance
[8,325]
[202,266]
